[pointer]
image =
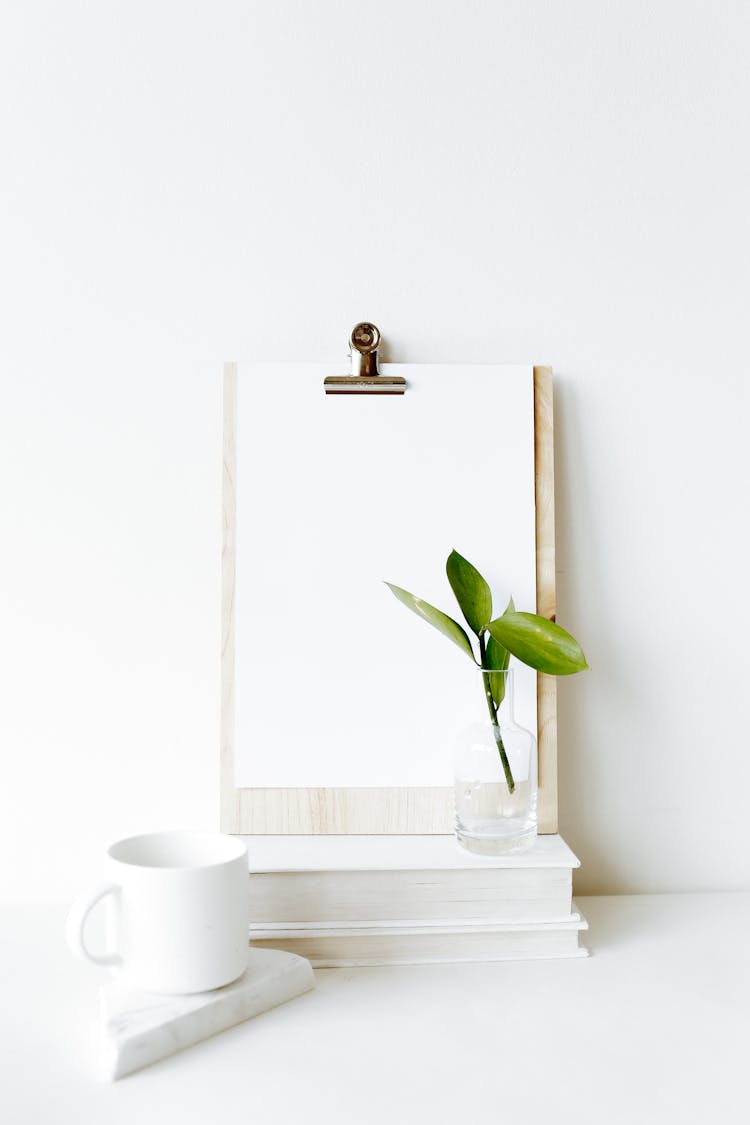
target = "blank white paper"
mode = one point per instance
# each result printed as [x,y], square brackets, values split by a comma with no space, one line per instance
[337,683]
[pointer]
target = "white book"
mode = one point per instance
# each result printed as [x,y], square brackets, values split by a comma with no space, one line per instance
[387,878]
[407,943]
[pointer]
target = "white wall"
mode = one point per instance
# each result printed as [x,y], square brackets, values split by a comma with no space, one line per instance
[185,182]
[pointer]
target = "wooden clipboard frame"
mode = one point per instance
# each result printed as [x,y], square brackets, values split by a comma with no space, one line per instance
[386,811]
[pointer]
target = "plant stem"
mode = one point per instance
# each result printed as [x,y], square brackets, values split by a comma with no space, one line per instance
[493,716]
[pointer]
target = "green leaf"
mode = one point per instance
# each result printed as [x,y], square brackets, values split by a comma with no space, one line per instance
[472,592]
[498,657]
[541,643]
[441,621]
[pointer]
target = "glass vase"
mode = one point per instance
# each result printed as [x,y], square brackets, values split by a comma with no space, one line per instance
[496,774]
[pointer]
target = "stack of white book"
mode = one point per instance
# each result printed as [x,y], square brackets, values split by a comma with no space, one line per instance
[375,900]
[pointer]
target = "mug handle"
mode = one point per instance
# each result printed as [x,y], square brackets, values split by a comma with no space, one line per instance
[76,922]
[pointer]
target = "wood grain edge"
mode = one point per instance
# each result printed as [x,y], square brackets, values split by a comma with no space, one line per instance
[230,799]
[347,811]
[544,463]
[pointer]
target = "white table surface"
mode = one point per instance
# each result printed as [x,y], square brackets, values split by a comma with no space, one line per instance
[653,1027]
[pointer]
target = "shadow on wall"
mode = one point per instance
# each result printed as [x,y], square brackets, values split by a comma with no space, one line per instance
[582,598]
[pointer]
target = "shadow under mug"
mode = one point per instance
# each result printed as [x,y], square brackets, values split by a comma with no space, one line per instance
[178,911]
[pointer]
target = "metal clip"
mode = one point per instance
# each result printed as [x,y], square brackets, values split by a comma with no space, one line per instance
[365,378]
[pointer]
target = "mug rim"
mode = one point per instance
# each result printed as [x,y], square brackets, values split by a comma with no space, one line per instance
[235,849]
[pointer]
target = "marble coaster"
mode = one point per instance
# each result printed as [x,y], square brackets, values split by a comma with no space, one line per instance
[141,1027]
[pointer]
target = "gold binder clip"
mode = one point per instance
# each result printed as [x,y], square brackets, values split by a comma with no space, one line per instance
[365,378]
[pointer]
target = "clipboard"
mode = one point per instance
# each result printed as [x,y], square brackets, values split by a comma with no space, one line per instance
[257,401]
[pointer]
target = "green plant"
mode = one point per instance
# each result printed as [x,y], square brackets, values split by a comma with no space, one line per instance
[534,640]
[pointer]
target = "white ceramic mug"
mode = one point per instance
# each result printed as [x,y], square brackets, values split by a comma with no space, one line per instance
[178,906]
